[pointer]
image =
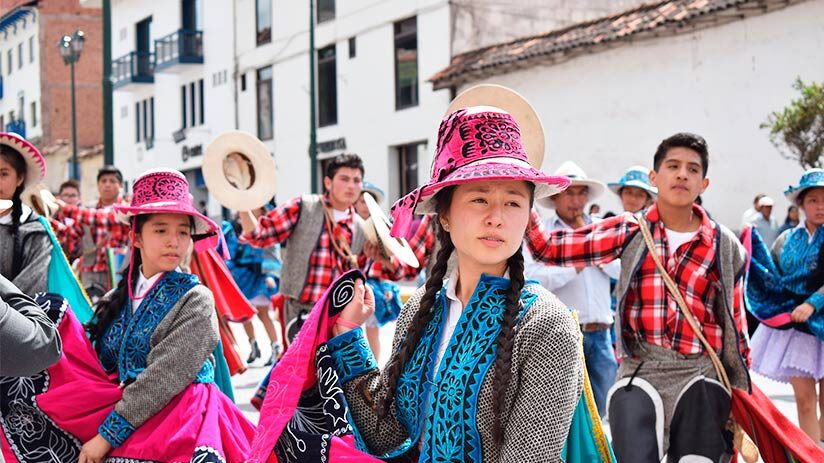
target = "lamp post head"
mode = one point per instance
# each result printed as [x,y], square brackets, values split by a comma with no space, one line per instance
[64,46]
[78,41]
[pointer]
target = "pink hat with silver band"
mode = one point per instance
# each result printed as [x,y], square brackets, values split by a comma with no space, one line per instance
[35,162]
[164,191]
[479,143]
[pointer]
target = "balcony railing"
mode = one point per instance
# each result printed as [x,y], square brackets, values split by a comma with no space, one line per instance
[18,127]
[135,67]
[183,46]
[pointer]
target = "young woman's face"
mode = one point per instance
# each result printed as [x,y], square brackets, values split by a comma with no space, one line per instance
[487,221]
[9,180]
[163,242]
[813,206]
[361,208]
[633,199]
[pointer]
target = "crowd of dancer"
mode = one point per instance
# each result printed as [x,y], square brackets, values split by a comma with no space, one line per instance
[527,333]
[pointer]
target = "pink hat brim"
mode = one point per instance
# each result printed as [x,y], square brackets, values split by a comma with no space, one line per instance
[35,162]
[203,224]
[545,185]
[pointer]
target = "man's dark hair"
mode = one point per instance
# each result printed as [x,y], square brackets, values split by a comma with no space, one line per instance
[683,140]
[110,170]
[69,184]
[350,160]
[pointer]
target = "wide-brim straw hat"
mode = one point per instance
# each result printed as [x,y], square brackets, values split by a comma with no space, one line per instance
[240,184]
[577,177]
[35,162]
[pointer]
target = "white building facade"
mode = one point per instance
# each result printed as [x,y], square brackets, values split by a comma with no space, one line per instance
[20,73]
[608,109]
[372,96]
[173,91]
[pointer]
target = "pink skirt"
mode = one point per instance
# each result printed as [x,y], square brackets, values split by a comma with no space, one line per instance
[48,417]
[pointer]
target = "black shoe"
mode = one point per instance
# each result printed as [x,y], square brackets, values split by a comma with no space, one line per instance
[255,352]
[275,355]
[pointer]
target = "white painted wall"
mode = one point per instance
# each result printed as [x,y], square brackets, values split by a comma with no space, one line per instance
[367,118]
[23,81]
[132,157]
[609,110]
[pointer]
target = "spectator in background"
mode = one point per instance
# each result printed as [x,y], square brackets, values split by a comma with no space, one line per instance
[766,224]
[69,192]
[751,213]
[791,221]
[594,210]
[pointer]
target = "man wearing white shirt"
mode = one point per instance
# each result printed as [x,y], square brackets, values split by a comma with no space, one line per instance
[584,289]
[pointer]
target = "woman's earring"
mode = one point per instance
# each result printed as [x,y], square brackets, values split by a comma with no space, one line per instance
[446,227]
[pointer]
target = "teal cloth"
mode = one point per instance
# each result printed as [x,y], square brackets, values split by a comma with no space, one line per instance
[581,446]
[223,380]
[62,280]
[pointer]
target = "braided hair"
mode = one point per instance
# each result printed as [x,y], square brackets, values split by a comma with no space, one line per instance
[504,342]
[109,308]
[18,163]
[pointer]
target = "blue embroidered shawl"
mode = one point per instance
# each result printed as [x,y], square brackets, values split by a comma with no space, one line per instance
[777,288]
[446,409]
[126,344]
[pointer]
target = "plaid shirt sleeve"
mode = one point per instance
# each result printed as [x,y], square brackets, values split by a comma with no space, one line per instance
[69,237]
[595,244]
[276,226]
[421,243]
[104,223]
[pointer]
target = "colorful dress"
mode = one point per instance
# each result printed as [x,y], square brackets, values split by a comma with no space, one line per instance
[153,398]
[777,283]
[246,265]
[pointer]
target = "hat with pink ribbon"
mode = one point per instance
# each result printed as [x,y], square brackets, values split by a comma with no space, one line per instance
[475,144]
[164,191]
[35,162]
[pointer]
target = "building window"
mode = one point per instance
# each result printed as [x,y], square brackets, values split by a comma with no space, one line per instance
[408,166]
[263,14]
[406,63]
[31,49]
[243,82]
[11,62]
[3,121]
[20,55]
[352,51]
[34,114]
[265,122]
[327,87]
[144,121]
[21,105]
[326,10]
[191,104]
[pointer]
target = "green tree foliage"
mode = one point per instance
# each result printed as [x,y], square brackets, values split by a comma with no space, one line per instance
[798,130]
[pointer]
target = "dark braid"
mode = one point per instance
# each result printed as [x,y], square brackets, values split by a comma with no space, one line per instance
[425,313]
[109,308]
[505,341]
[18,163]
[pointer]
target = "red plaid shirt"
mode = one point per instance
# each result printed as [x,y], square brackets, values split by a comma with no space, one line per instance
[106,231]
[68,237]
[649,311]
[324,263]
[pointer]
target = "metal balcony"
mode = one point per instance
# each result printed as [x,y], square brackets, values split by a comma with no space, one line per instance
[182,47]
[137,67]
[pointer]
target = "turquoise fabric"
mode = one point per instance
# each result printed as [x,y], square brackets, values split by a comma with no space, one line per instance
[223,380]
[582,446]
[63,281]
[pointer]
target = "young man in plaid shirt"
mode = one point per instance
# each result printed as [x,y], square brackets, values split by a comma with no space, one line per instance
[322,236]
[667,399]
[97,229]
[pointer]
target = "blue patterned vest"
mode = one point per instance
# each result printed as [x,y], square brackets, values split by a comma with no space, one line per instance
[445,406]
[126,344]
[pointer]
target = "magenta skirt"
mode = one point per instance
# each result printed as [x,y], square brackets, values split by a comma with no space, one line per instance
[48,417]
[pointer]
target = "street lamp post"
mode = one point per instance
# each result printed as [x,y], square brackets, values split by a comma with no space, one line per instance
[71,46]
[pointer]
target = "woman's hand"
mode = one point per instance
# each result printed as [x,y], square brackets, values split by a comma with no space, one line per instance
[95,450]
[358,310]
[802,313]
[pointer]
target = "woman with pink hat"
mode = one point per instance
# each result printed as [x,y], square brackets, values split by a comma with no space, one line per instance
[143,389]
[485,366]
[25,249]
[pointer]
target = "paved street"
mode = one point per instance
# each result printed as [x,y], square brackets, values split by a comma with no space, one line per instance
[245,384]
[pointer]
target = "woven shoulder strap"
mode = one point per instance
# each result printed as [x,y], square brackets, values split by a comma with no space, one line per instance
[682,304]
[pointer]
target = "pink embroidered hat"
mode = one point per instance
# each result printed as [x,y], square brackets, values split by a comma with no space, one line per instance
[164,191]
[35,162]
[478,143]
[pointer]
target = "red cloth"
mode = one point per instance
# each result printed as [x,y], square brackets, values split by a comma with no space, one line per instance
[774,434]
[229,301]
[649,310]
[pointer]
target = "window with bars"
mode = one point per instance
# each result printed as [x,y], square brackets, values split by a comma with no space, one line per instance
[406,63]
[265,110]
[325,10]
[327,87]
[263,18]
[192,108]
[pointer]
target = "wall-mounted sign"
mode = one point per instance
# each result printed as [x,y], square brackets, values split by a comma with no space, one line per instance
[332,145]
[189,152]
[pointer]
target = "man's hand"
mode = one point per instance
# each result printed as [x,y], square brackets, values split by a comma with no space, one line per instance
[248,221]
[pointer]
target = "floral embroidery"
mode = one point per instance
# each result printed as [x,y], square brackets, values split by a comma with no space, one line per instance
[115,429]
[351,355]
